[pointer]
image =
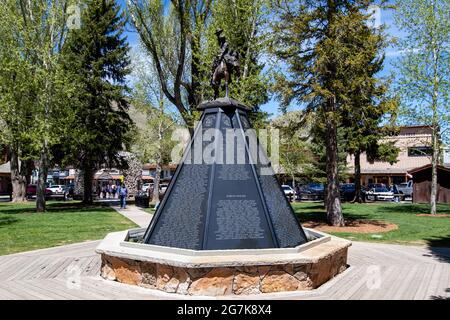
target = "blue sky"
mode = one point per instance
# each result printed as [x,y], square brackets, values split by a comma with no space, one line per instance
[386,17]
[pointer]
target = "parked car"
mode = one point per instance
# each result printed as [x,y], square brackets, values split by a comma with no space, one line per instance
[381,193]
[69,191]
[146,186]
[32,189]
[312,191]
[288,191]
[406,188]
[57,190]
[348,191]
[163,188]
[375,185]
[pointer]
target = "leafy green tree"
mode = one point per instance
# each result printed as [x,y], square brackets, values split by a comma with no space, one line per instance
[249,40]
[15,103]
[424,81]
[97,56]
[172,33]
[155,121]
[295,143]
[315,39]
[179,36]
[37,30]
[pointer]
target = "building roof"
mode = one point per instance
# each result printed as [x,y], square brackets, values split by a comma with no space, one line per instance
[428,166]
[415,130]
[152,166]
[5,168]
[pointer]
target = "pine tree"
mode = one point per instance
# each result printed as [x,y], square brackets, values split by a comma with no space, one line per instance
[315,40]
[368,113]
[97,56]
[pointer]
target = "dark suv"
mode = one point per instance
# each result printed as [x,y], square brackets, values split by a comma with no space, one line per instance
[348,191]
[312,191]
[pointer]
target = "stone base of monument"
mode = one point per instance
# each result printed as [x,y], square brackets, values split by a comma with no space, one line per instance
[222,272]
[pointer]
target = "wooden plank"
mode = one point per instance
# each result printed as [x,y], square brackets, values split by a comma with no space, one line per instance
[423,286]
[342,286]
[416,282]
[387,275]
[433,284]
[407,280]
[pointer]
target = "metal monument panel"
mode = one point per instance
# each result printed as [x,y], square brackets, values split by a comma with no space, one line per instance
[230,200]
[224,194]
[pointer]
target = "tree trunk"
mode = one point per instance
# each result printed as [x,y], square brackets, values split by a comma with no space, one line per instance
[155,196]
[87,184]
[357,177]
[333,201]
[435,125]
[42,179]
[434,164]
[18,178]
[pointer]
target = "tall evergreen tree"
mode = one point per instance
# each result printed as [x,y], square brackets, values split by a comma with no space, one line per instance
[314,39]
[368,113]
[98,56]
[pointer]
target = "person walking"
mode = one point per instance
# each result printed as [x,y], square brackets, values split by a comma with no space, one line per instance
[10,191]
[114,190]
[109,190]
[123,193]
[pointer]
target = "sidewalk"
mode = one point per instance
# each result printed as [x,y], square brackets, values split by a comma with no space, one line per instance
[138,216]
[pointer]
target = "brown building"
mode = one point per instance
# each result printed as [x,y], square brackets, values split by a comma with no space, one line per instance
[422,184]
[149,170]
[5,178]
[413,143]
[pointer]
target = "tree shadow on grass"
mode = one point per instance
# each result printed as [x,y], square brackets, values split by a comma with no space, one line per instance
[6,221]
[54,207]
[316,214]
[413,209]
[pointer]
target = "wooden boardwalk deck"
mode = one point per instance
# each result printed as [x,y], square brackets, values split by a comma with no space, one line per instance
[378,271]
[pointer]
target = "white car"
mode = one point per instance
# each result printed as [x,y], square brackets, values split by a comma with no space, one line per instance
[288,191]
[145,186]
[57,190]
[380,193]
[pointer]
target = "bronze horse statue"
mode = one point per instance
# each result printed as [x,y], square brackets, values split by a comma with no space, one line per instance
[224,65]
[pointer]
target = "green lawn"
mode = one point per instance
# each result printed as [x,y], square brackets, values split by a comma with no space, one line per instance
[21,229]
[412,229]
[150,210]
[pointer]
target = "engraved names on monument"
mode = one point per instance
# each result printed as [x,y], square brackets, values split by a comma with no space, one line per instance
[218,204]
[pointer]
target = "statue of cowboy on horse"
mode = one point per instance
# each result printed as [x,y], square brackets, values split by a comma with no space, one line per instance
[224,65]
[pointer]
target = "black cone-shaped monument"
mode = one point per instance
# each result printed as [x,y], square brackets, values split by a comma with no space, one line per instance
[224,193]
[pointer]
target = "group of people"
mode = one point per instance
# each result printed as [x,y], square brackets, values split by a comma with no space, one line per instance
[113,192]
[107,191]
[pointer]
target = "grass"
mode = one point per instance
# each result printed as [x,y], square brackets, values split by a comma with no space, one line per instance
[149,210]
[412,229]
[21,229]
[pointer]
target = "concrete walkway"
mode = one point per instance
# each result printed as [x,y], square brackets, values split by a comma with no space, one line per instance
[138,216]
[378,271]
